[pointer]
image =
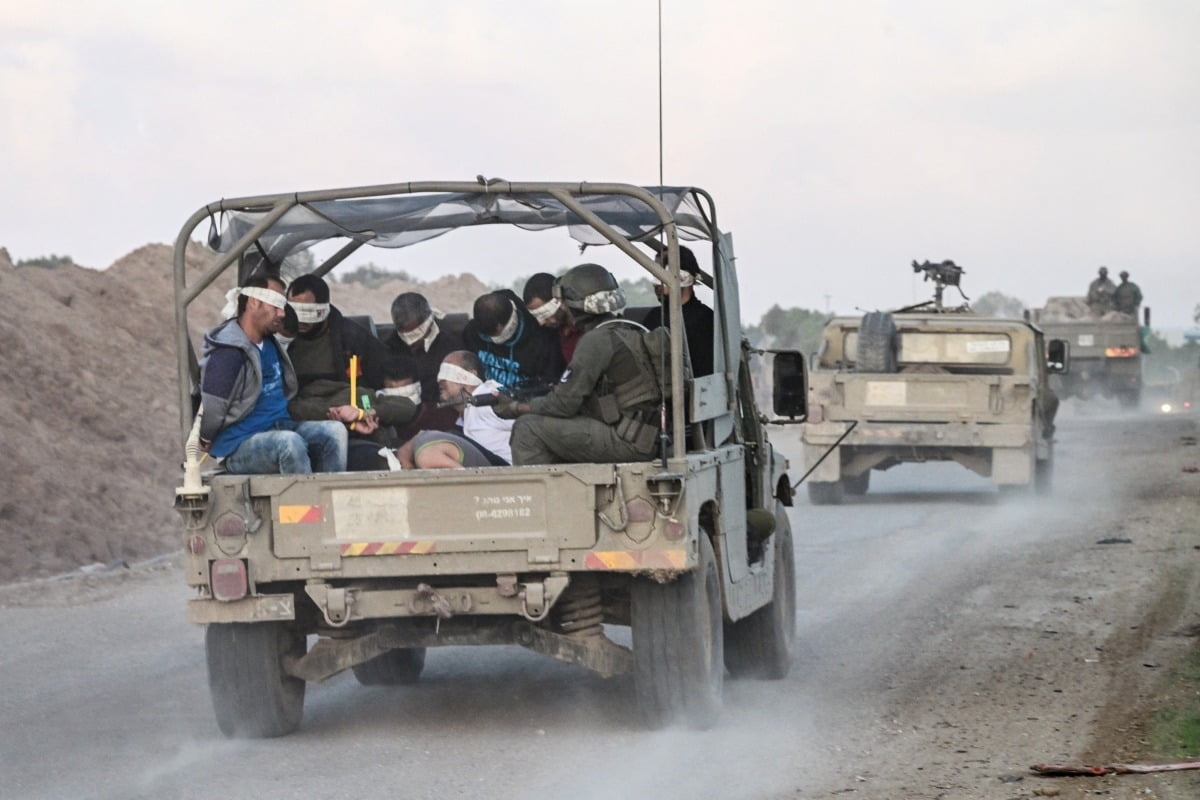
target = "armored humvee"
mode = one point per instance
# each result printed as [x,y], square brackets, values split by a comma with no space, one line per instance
[692,552]
[929,384]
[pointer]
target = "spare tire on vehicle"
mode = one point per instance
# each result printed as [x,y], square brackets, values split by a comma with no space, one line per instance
[876,351]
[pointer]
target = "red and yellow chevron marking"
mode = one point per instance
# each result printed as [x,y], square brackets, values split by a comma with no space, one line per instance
[387,548]
[636,559]
[290,515]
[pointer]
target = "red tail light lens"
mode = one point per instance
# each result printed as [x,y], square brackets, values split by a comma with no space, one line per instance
[229,579]
[1120,352]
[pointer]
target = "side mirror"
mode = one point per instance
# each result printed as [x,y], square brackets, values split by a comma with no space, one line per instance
[790,397]
[1146,316]
[1058,356]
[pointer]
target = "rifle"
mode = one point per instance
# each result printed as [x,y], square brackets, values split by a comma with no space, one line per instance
[523,394]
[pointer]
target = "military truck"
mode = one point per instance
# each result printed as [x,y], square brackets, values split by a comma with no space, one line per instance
[927,383]
[690,554]
[1106,349]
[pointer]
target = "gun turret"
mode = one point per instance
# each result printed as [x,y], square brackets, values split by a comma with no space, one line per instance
[943,274]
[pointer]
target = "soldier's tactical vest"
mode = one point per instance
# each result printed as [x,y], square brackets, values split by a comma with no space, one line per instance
[629,394]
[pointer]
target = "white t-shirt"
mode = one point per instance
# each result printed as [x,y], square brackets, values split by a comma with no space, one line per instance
[481,424]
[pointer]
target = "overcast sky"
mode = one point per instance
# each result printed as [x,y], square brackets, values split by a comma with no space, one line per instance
[1031,141]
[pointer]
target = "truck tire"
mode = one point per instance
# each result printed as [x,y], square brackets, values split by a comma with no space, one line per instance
[399,667]
[821,493]
[1043,476]
[857,484]
[760,646]
[678,646]
[252,694]
[876,350]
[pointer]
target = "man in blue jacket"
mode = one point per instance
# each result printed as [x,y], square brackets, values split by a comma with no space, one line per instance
[246,381]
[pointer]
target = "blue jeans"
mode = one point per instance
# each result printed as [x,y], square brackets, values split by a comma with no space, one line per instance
[292,447]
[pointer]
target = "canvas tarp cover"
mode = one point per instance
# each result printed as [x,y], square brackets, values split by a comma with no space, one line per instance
[402,220]
[1070,309]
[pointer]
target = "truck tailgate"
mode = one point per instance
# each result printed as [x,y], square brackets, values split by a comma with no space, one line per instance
[451,511]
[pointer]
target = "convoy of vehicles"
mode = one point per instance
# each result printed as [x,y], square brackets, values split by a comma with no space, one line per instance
[691,552]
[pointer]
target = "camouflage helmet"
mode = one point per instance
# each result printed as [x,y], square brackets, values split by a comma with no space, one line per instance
[590,289]
[1124,274]
[1103,272]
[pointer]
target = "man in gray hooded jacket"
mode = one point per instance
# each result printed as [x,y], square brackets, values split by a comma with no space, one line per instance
[246,381]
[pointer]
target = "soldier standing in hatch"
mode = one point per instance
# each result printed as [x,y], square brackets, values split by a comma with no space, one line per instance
[1100,293]
[606,405]
[1127,296]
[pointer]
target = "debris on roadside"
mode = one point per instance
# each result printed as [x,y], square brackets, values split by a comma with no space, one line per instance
[1116,540]
[1190,468]
[1055,770]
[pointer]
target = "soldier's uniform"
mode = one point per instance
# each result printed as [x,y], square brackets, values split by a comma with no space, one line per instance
[604,410]
[606,407]
[1100,293]
[1127,296]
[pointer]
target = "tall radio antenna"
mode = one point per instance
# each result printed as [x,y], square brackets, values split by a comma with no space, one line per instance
[660,97]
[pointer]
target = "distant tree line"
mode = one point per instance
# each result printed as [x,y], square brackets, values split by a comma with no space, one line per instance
[46,262]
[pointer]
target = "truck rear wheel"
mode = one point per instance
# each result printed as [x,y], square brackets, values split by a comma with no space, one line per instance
[857,484]
[393,668]
[1043,475]
[1130,398]
[760,646]
[252,694]
[678,646]
[876,351]
[821,493]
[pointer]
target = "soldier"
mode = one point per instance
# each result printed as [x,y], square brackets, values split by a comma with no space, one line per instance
[1127,296]
[605,407]
[1100,293]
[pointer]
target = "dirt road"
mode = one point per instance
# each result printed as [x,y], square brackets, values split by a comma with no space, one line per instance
[949,638]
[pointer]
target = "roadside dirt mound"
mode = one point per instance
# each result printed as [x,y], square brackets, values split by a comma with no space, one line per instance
[90,457]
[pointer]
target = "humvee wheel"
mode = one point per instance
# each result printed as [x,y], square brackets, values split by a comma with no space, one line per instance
[760,646]
[252,694]
[825,494]
[857,484]
[678,646]
[393,668]
[1043,476]
[876,350]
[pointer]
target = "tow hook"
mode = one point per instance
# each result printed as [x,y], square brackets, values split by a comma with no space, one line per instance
[335,602]
[538,598]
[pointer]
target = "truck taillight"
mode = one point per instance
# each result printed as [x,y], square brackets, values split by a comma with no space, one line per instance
[1120,352]
[229,579]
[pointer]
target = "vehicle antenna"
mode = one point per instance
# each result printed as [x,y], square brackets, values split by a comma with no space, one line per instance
[660,97]
[663,438]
